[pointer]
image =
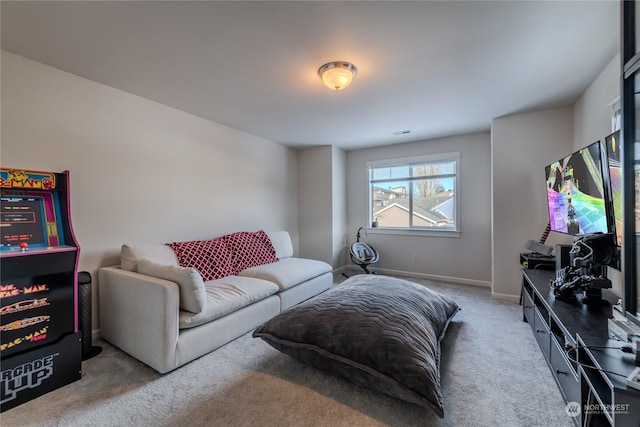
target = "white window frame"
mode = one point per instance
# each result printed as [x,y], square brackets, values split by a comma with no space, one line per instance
[410,161]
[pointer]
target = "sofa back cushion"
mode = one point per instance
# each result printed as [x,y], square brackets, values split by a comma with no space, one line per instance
[130,255]
[193,297]
[250,249]
[212,258]
[281,242]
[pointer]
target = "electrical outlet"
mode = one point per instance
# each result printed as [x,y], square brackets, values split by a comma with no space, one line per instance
[414,257]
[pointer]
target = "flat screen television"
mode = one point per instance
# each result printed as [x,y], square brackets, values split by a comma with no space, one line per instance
[576,192]
[613,149]
[22,220]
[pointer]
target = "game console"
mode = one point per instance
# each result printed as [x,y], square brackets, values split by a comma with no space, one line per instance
[539,248]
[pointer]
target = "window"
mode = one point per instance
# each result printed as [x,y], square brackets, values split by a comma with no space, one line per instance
[416,194]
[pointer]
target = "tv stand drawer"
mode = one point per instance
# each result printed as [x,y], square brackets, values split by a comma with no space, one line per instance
[542,333]
[564,373]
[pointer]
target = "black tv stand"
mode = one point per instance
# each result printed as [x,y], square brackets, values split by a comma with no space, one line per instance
[588,297]
[594,296]
[573,337]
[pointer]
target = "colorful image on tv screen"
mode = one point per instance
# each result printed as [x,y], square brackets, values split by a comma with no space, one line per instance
[575,193]
[615,179]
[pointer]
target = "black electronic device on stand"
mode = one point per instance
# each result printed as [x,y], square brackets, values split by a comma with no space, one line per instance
[537,262]
[586,275]
[540,256]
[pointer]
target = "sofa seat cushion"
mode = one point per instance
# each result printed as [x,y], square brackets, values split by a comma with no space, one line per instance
[288,272]
[225,296]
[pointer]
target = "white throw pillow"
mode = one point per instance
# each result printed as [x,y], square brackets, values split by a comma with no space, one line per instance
[130,255]
[193,297]
[281,242]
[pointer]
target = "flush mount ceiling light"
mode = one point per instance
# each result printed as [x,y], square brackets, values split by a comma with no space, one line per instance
[337,75]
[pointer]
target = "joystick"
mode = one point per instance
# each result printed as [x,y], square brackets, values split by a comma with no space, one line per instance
[23,246]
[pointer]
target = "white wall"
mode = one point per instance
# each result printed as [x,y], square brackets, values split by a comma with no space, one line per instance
[521,146]
[464,259]
[141,172]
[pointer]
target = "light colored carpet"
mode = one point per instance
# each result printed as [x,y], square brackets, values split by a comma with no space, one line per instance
[493,374]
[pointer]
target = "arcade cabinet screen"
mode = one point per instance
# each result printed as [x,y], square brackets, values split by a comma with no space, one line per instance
[615,179]
[22,221]
[575,193]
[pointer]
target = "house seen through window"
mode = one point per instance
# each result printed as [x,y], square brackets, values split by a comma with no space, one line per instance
[417,193]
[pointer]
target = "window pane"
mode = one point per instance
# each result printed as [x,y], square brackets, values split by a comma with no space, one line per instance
[418,195]
[434,203]
[390,205]
[433,187]
[445,168]
[392,172]
[393,211]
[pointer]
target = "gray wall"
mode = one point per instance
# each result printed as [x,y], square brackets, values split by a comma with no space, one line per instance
[592,112]
[521,146]
[141,172]
[463,259]
[592,122]
[146,173]
[323,210]
[315,196]
[339,206]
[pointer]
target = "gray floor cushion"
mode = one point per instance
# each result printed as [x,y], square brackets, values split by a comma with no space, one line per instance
[376,331]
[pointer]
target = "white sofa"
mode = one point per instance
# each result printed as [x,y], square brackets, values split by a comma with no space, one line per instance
[141,314]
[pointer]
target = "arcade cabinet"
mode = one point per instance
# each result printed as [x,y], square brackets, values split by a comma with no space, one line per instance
[40,347]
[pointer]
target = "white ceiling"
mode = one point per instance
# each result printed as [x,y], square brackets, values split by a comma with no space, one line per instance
[435,68]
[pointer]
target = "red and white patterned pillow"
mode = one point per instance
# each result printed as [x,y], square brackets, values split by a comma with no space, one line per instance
[250,249]
[212,258]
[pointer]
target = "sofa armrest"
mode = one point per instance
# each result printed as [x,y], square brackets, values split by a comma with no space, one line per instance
[139,315]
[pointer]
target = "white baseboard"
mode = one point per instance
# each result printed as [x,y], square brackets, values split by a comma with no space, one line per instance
[506,297]
[459,280]
[340,270]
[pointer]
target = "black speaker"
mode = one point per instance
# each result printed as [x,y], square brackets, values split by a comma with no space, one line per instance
[84,315]
[563,258]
